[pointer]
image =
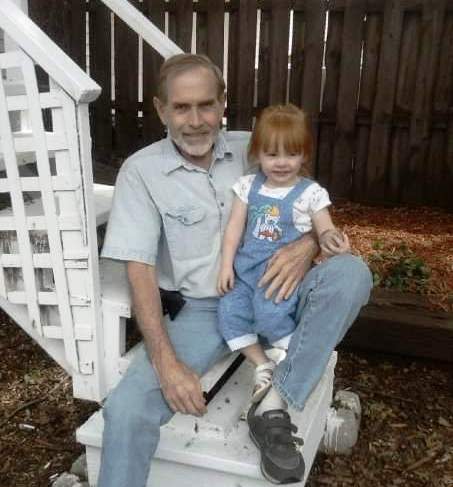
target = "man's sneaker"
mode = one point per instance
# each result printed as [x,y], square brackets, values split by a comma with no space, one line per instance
[272,433]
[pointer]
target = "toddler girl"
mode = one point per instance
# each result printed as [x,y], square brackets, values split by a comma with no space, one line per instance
[274,207]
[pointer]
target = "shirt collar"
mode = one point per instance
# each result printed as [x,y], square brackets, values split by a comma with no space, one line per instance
[174,159]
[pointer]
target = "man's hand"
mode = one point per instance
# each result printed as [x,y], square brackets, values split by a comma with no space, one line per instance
[180,385]
[181,388]
[287,267]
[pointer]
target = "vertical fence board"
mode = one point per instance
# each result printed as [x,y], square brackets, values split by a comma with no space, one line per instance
[201,28]
[215,31]
[183,20]
[126,88]
[443,95]
[101,72]
[264,59]
[371,49]
[210,30]
[280,17]
[333,63]
[64,23]
[153,129]
[398,168]
[340,180]
[232,74]
[383,109]
[246,38]
[77,29]
[420,126]
[315,17]
[297,58]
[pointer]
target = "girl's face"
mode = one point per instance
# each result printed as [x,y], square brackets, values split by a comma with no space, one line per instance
[280,167]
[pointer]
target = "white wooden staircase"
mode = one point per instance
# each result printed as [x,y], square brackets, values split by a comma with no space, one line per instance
[51,281]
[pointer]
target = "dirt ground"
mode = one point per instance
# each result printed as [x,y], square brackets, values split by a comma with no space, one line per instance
[406,436]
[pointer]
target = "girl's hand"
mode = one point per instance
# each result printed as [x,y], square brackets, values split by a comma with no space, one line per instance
[334,242]
[225,281]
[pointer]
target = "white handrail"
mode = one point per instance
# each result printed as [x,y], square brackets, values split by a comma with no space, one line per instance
[143,27]
[47,54]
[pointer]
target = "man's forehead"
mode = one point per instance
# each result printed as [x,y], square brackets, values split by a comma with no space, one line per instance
[198,78]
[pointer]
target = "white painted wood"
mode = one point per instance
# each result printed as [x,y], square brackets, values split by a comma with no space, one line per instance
[47,54]
[96,347]
[38,222]
[20,102]
[48,201]
[20,222]
[143,27]
[103,198]
[216,449]
[54,348]
[13,76]
[59,183]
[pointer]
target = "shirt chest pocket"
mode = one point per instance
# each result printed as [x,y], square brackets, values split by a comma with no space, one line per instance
[188,232]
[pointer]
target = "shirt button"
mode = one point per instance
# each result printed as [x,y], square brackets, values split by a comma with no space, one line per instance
[222,204]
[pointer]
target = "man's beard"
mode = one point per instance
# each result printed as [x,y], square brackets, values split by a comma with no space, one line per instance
[197,149]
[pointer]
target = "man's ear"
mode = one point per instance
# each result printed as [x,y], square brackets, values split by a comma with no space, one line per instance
[160,109]
[222,99]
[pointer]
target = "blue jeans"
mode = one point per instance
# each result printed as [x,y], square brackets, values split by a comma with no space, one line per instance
[331,296]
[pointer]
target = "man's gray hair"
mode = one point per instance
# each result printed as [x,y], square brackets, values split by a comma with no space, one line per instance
[180,63]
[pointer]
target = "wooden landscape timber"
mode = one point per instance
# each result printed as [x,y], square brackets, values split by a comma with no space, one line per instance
[402,323]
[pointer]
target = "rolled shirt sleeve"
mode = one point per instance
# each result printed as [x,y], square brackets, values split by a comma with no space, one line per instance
[134,227]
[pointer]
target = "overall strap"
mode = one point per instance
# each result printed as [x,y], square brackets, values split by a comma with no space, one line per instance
[297,191]
[259,180]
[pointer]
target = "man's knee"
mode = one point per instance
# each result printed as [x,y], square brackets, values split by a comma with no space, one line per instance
[350,275]
[131,413]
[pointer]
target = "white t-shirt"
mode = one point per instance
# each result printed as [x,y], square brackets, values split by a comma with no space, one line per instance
[313,199]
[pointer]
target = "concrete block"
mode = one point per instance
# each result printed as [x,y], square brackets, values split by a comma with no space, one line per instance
[67,480]
[79,468]
[343,424]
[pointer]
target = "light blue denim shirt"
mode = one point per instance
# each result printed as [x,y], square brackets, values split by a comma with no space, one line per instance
[172,214]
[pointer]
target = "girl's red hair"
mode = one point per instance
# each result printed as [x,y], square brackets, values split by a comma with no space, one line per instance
[281,125]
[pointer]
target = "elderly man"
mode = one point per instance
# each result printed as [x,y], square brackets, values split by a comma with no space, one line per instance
[171,204]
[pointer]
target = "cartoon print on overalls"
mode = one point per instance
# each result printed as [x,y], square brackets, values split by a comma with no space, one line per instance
[267,219]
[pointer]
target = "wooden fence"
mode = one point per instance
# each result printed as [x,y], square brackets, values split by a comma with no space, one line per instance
[375,75]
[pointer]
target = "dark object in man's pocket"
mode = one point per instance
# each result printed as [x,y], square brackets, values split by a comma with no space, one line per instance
[172,302]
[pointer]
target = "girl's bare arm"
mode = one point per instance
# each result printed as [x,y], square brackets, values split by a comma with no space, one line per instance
[231,240]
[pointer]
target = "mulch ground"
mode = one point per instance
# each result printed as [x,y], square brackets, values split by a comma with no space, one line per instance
[406,436]
[410,249]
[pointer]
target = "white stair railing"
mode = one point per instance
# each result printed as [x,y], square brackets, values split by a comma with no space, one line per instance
[49,263]
[49,269]
[143,27]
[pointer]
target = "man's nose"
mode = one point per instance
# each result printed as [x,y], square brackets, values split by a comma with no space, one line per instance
[194,117]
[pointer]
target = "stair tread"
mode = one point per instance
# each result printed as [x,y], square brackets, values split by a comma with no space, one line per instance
[220,440]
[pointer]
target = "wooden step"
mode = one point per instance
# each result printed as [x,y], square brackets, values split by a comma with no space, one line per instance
[216,449]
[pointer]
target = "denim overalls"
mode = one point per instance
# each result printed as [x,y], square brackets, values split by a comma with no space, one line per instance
[244,312]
